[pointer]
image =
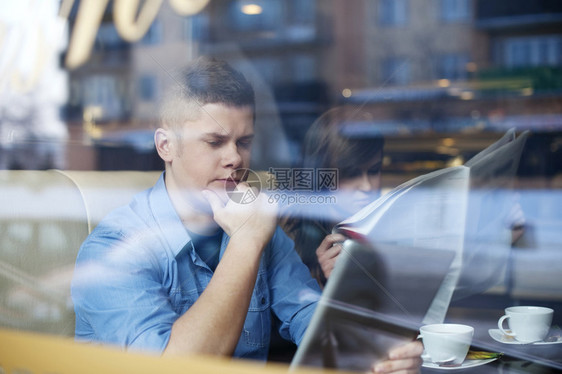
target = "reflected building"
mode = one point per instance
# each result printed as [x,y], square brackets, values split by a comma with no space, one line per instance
[525,50]
[283,47]
[434,69]
[441,69]
[276,44]
[461,52]
[114,96]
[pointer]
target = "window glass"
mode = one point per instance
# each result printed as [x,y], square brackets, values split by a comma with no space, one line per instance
[455,10]
[453,66]
[393,12]
[532,51]
[396,71]
[81,93]
[147,87]
[154,34]
[108,38]
[304,68]
[196,28]
[302,12]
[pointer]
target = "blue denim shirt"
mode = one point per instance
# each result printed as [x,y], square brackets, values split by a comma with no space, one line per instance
[138,272]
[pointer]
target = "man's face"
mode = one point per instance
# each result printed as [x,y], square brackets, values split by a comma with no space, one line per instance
[209,150]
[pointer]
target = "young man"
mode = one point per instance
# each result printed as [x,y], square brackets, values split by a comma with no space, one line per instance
[182,269]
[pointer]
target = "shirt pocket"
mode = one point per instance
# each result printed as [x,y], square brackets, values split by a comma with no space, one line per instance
[183,298]
[257,327]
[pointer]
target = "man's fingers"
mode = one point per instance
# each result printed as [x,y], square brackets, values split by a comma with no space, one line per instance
[214,200]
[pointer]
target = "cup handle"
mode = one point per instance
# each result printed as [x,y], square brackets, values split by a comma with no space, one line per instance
[424,354]
[500,325]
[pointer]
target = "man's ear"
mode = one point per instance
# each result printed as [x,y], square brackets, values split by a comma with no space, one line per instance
[164,144]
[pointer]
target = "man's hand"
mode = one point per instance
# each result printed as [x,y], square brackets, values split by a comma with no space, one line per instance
[213,324]
[403,359]
[255,219]
[328,251]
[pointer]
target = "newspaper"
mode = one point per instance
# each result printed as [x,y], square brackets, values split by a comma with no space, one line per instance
[461,209]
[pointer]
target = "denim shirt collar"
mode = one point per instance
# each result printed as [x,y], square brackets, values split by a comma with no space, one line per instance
[167,218]
[169,222]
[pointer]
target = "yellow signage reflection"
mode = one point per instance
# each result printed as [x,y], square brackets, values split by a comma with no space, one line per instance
[131,22]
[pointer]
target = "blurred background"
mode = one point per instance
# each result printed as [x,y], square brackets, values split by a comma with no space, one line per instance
[441,79]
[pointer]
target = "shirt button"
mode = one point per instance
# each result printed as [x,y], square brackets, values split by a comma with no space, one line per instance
[262,300]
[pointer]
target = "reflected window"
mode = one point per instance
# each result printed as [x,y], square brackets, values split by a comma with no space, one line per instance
[302,11]
[452,66]
[196,27]
[396,71]
[455,10]
[303,67]
[147,89]
[532,51]
[154,34]
[108,38]
[393,12]
[269,68]
[301,19]
[103,91]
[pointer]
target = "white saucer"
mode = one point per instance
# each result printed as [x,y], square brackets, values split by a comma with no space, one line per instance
[466,364]
[499,336]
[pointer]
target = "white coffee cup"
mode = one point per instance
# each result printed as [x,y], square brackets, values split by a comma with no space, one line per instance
[527,323]
[447,343]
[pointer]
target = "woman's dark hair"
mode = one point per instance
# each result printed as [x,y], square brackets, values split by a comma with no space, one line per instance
[341,138]
[337,139]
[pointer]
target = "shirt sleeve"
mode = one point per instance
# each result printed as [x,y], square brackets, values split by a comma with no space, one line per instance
[294,292]
[119,295]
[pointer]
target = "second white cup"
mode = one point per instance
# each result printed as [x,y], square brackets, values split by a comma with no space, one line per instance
[447,343]
[527,323]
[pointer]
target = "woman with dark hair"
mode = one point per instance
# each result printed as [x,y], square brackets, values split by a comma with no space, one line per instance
[340,139]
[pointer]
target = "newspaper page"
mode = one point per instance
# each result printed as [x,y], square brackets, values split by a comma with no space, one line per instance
[427,212]
[489,219]
[461,209]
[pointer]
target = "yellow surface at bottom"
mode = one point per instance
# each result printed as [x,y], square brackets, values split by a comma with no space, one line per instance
[28,353]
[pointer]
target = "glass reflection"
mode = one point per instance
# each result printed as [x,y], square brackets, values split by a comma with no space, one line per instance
[439,80]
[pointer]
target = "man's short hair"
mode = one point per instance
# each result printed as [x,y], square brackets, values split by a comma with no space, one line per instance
[205,81]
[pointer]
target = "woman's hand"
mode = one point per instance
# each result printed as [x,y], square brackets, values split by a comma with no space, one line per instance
[328,251]
[404,359]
